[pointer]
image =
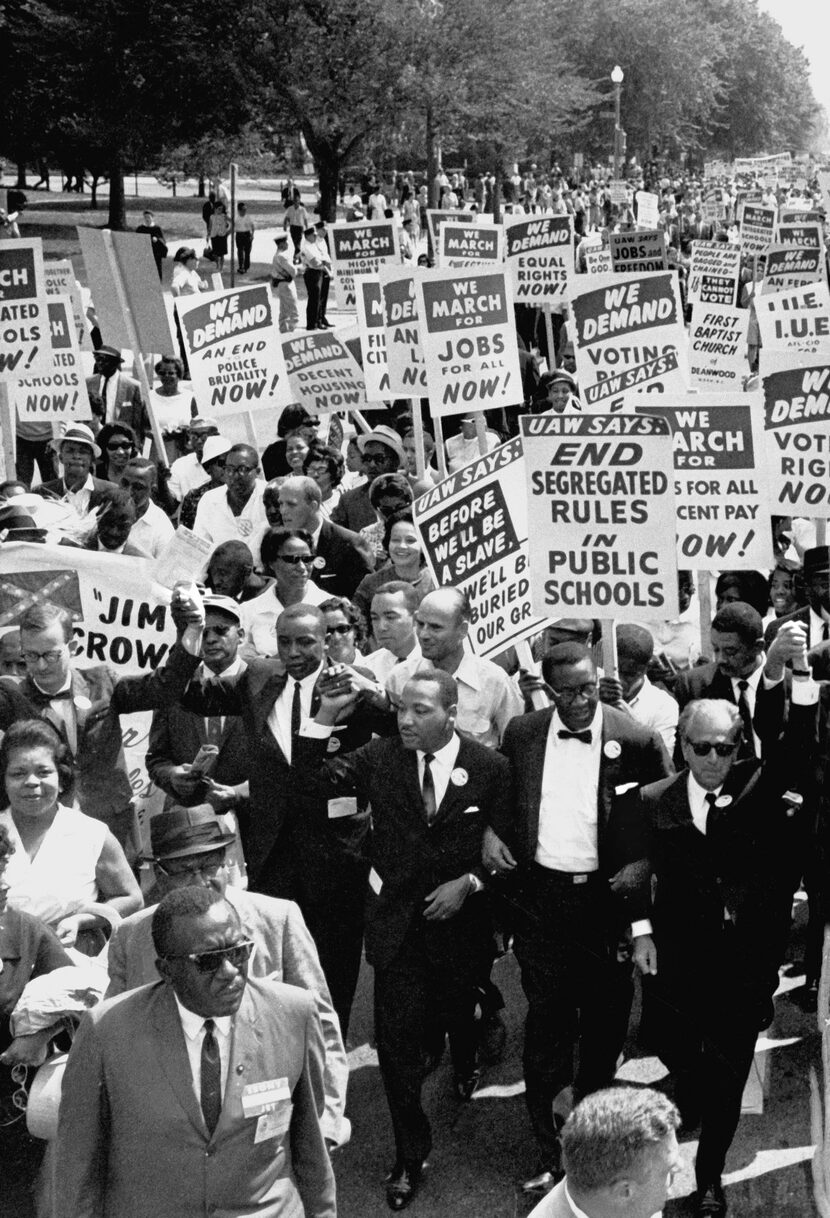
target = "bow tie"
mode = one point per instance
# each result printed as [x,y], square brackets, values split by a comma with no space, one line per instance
[41,698]
[584,737]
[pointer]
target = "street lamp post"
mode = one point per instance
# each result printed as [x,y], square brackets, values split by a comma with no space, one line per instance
[617,78]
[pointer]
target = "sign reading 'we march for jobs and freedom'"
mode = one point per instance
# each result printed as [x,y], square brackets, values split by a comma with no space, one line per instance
[474,529]
[234,352]
[601,504]
[360,249]
[720,479]
[469,341]
[629,335]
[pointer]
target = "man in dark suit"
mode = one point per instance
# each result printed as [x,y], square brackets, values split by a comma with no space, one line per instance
[289,849]
[737,674]
[427,930]
[177,735]
[200,1094]
[84,705]
[77,453]
[341,557]
[114,396]
[721,831]
[573,839]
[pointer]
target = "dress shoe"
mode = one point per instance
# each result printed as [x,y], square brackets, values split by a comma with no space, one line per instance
[403,1183]
[544,1180]
[492,1036]
[466,1085]
[711,1202]
[325,325]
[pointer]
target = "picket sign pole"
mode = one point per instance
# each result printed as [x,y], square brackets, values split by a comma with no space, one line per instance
[129,322]
[481,433]
[232,234]
[418,429]
[609,647]
[821,532]
[361,422]
[7,430]
[704,596]
[250,430]
[439,448]
[548,312]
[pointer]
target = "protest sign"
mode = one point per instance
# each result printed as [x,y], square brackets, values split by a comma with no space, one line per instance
[719,485]
[369,300]
[714,206]
[404,353]
[601,502]
[714,272]
[122,276]
[640,251]
[757,227]
[25,349]
[823,176]
[762,164]
[233,348]
[717,169]
[360,248]
[648,210]
[540,258]
[796,320]
[474,530]
[799,215]
[60,281]
[802,234]
[598,262]
[789,266]
[629,334]
[797,433]
[718,347]
[59,394]
[435,218]
[462,245]
[323,373]
[469,341]
[617,191]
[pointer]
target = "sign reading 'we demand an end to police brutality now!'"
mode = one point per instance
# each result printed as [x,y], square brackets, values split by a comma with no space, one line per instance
[601,514]
[469,341]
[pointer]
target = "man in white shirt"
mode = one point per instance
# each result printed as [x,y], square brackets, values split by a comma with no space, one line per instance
[393,626]
[633,692]
[283,274]
[187,473]
[487,698]
[463,448]
[620,1148]
[235,511]
[170,1090]
[152,530]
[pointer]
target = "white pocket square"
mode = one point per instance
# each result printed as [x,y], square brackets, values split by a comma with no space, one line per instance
[472,808]
[626,786]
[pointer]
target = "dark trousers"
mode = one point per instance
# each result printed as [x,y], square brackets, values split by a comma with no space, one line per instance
[704,1033]
[576,992]
[31,453]
[324,297]
[313,281]
[244,241]
[429,984]
[296,231]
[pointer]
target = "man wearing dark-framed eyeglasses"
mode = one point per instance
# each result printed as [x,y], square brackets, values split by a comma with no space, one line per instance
[198,1094]
[723,840]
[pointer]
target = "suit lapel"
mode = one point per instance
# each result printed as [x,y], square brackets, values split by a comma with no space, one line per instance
[265,700]
[171,1053]
[246,1039]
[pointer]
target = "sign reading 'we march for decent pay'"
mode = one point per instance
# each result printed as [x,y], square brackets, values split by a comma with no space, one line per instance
[474,529]
[629,335]
[233,348]
[720,479]
[601,504]
[360,249]
[469,341]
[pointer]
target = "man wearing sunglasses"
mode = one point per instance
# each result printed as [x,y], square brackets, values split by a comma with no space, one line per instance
[721,837]
[235,511]
[200,1094]
[190,847]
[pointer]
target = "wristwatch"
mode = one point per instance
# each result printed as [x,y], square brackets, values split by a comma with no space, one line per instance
[476,884]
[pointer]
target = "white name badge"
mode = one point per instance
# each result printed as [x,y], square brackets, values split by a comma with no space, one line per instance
[258,1098]
[375,882]
[272,1124]
[343,805]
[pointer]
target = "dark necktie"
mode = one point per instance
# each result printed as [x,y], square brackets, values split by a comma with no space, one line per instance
[583,737]
[746,718]
[211,1089]
[711,799]
[825,630]
[428,789]
[296,713]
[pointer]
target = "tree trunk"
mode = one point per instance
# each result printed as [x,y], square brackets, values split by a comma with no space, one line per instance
[93,202]
[117,219]
[498,174]
[21,175]
[327,164]
[200,193]
[432,159]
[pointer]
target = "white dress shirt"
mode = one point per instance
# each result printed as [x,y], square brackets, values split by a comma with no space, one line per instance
[381,662]
[259,617]
[817,625]
[279,720]
[216,522]
[568,839]
[698,803]
[193,1026]
[487,698]
[80,498]
[656,710]
[752,683]
[153,531]
[186,474]
[441,767]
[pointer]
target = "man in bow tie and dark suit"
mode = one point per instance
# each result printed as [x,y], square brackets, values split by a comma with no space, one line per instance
[571,845]
[427,930]
[201,1094]
[720,836]
[290,850]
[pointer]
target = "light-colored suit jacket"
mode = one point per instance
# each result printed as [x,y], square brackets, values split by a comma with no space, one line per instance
[284,951]
[132,1142]
[554,1205]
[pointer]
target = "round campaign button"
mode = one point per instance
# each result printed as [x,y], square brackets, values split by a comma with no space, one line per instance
[459,777]
[612,749]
